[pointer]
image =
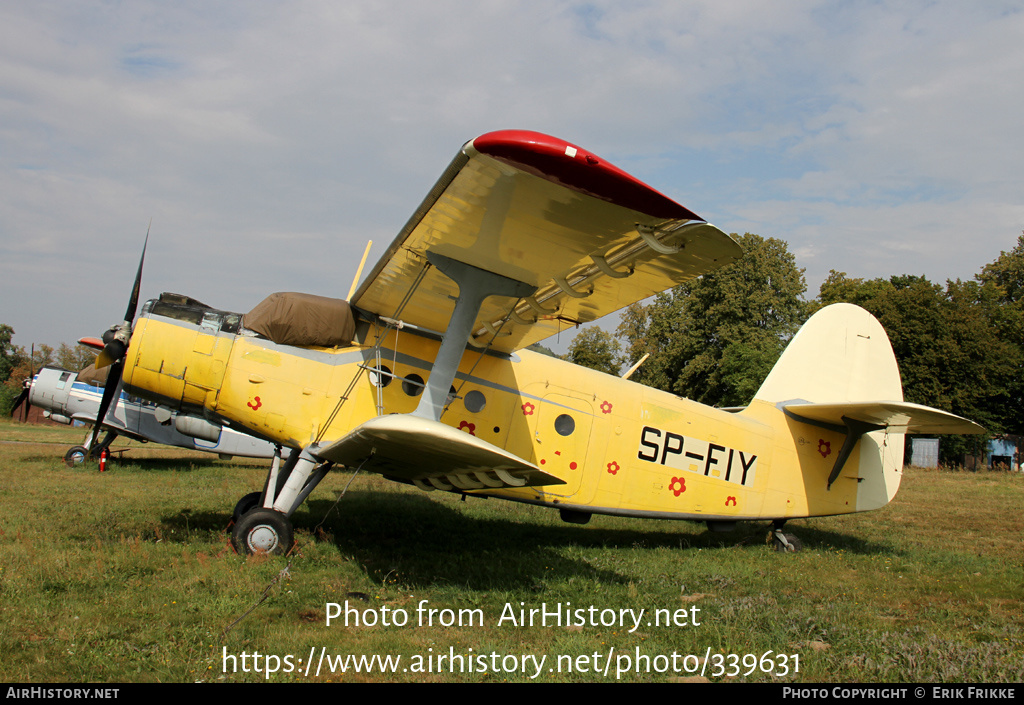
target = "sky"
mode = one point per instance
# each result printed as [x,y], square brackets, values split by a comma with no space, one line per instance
[267,141]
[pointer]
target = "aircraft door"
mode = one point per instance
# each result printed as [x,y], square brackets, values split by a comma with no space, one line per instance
[561,439]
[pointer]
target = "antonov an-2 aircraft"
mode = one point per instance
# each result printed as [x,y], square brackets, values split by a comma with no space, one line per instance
[424,377]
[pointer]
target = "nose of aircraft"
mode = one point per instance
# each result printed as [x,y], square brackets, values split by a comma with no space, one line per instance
[50,388]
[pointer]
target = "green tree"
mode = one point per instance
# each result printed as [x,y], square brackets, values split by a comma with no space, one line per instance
[11,358]
[9,354]
[714,339]
[596,349]
[1003,284]
[75,358]
[1007,273]
[538,348]
[1006,277]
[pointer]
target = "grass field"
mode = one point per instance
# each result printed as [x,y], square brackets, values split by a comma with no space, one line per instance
[127,576]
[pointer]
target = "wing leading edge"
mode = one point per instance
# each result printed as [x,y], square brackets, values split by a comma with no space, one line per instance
[588,237]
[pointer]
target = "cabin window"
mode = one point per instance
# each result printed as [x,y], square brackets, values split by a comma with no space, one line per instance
[413,385]
[475,401]
[565,425]
[380,376]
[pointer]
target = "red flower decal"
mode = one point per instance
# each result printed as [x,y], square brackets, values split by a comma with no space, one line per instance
[681,482]
[824,447]
[257,406]
[468,427]
[613,468]
[528,409]
[606,407]
[730,499]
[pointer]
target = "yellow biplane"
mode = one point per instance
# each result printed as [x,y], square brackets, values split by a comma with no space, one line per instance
[424,376]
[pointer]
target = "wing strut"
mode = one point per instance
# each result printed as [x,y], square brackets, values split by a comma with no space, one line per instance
[475,285]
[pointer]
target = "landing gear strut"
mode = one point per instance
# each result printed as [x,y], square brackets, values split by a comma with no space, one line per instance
[782,542]
[77,455]
[261,519]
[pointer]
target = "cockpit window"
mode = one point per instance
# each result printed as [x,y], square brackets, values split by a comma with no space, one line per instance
[211,322]
[183,308]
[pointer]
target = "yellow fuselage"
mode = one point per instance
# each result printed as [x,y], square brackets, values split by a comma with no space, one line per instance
[621,448]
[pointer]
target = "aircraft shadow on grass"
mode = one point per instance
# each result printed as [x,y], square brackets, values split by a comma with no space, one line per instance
[418,542]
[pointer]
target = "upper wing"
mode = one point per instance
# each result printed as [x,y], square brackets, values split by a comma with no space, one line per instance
[539,210]
[896,416]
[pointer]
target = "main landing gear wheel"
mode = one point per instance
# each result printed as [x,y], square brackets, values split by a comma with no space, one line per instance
[249,501]
[263,531]
[76,455]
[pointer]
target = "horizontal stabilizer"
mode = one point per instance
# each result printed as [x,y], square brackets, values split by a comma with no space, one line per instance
[432,455]
[895,416]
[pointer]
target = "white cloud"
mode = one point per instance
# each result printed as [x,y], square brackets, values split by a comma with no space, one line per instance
[269,140]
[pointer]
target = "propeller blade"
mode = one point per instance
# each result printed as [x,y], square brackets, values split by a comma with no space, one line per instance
[112,352]
[133,302]
[26,388]
[110,392]
[116,339]
[22,398]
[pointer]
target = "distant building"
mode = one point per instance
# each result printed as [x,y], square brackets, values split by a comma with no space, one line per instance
[1006,452]
[924,452]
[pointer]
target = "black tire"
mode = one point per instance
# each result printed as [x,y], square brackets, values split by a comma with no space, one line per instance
[263,531]
[246,503]
[795,544]
[76,455]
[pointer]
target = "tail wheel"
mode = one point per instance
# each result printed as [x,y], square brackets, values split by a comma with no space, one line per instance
[785,543]
[76,455]
[263,531]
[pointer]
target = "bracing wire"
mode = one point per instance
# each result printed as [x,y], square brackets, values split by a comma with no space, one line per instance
[381,336]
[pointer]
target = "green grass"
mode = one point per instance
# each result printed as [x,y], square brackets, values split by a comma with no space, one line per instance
[128,576]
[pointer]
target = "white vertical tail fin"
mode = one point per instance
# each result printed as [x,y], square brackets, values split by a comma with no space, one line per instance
[841,354]
[839,372]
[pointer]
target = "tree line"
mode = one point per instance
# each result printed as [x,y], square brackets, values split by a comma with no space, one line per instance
[714,339]
[960,346]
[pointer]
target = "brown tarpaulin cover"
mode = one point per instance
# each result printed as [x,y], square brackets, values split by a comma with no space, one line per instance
[90,375]
[289,318]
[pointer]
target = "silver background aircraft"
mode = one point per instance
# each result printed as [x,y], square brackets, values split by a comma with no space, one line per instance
[68,399]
